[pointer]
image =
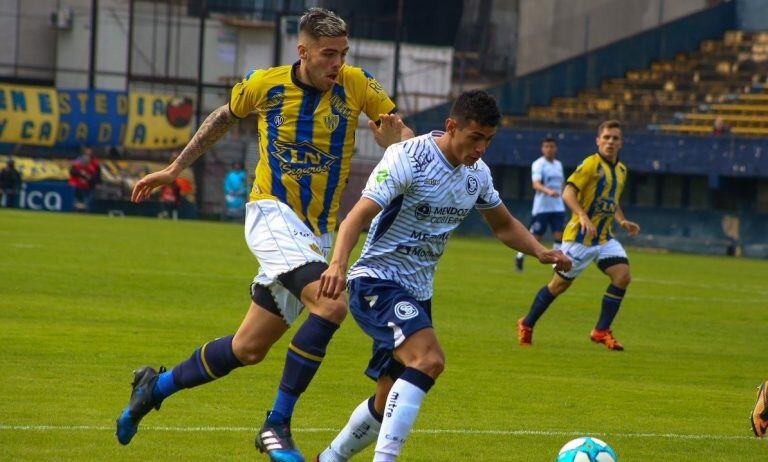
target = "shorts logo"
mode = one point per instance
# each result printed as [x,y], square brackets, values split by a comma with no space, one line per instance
[471,185]
[278,120]
[422,211]
[406,310]
[316,248]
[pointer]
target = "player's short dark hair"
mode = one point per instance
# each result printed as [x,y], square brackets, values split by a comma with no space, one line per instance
[319,22]
[612,123]
[548,139]
[476,105]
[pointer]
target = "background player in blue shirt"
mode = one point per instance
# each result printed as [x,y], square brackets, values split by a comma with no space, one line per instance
[548,210]
[420,192]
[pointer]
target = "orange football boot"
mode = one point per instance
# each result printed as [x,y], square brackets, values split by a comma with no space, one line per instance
[524,333]
[606,337]
[759,416]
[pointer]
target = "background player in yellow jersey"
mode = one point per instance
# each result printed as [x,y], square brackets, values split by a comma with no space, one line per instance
[592,193]
[307,116]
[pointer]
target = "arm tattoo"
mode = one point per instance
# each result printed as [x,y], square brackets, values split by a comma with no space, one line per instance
[210,131]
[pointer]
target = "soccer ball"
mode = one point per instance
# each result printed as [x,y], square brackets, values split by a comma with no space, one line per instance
[586,449]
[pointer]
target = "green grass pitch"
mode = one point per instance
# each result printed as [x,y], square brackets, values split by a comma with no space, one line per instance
[85,299]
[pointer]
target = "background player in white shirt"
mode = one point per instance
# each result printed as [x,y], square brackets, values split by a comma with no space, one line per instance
[548,209]
[419,193]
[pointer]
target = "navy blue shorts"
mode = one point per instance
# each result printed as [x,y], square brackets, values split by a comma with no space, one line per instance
[554,220]
[389,315]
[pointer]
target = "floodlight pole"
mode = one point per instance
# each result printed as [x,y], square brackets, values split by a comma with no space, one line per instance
[129,59]
[277,50]
[92,57]
[200,58]
[199,167]
[398,39]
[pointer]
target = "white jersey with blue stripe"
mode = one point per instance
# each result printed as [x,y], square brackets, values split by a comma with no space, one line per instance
[551,175]
[423,199]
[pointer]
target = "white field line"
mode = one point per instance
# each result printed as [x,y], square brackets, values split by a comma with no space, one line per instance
[437,431]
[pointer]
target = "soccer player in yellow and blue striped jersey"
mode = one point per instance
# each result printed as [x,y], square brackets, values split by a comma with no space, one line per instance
[592,193]
[307,136]
[307,116]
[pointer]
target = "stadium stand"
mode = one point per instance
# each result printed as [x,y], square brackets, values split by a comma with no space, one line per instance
[723,78]
[668,86]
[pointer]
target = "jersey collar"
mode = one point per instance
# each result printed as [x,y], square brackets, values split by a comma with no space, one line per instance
[607,161]
[299,83]
[437,134]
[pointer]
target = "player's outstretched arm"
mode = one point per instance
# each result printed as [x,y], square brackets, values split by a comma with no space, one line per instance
[210,131]
[630,227]
[511,232]
[333,280]
[570,197]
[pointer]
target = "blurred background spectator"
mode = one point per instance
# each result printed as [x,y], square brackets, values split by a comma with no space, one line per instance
[10,185]
[719,127]
[170,196]
[84,175]
[235,192]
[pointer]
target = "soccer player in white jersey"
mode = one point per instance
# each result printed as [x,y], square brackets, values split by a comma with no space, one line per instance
[420,192]
[548,208]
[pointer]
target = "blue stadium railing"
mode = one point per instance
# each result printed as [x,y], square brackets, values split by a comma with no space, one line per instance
[644,152]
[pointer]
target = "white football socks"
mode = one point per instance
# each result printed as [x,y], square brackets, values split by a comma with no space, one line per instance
[400,411]
[361,430]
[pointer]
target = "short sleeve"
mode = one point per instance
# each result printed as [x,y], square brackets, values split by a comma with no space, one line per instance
[583,174]
[488,197]
[536,168]
[246,95]
[375,99]
[391,178]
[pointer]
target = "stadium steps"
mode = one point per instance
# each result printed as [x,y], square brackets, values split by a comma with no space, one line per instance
[683,95]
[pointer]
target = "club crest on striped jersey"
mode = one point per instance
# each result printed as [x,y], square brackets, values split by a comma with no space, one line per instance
[471,185]
[406,310]
[331,121]
[300,159]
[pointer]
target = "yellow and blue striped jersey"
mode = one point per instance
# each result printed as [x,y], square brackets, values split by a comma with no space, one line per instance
[306,137]
[599,185]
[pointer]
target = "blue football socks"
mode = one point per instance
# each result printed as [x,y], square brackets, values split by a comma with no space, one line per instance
[305,354]
[611,304]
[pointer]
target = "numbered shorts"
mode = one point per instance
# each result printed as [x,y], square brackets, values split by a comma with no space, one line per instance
[605,255]
[281,243]
[389,315]
[555,221]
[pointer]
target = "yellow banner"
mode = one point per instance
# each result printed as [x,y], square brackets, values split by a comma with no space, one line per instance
[28,115]
[39,169]
[158,121]
[124,173]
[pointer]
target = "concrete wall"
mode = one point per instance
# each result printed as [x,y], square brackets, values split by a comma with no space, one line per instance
[26,38]
[551,31]
[752,15]
[165,44]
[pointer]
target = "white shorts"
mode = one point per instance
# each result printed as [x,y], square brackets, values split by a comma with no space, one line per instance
[281,243]
[583,255]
